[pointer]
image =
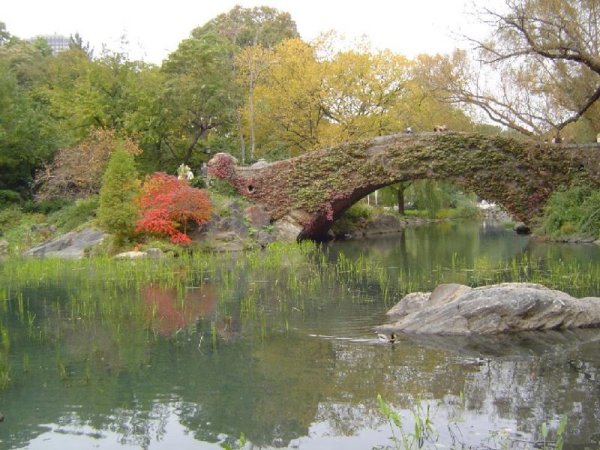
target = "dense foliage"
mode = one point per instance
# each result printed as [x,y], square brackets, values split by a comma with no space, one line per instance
[169,206]
[76,171]
[118,211]
[572,213]
[247,84]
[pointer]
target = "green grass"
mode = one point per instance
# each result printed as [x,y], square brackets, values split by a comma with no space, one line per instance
[572,213]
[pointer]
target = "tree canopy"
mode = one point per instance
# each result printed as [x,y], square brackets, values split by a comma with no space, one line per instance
[246,83]
[539,68]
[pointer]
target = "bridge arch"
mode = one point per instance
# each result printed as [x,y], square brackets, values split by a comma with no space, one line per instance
[314,189]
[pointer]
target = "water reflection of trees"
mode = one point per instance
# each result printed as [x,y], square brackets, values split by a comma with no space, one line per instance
[273,389]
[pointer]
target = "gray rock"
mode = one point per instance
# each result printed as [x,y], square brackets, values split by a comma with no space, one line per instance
[71,245]
[234,207]
[154,253]
[264,238]
[257,216]
[524,343]
[384,224]
[453,309]
[225,241]
[260,164]
[234,224]
[133,254]
[289,227]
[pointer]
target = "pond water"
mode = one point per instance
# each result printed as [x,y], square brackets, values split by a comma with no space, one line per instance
[276,349]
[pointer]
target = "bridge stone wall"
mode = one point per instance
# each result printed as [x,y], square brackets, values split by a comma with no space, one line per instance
[316,188]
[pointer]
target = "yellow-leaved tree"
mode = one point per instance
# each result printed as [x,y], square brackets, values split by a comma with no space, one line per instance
[361,91]
[288,104]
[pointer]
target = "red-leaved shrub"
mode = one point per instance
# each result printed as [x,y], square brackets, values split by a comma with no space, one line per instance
[168,205]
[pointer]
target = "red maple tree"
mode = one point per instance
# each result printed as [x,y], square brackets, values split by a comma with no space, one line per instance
[168,205]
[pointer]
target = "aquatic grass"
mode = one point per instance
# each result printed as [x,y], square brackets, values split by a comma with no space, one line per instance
[273,288]
[5,368]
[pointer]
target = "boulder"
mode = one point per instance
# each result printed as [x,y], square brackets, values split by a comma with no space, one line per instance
[383,224]
[289,227]
[133,254]
[234,224]
[225,241]
[152,253]
[71,245]
[257,217]
[454,309]
[481,347]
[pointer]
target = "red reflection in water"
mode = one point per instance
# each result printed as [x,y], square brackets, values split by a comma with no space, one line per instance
[168,314]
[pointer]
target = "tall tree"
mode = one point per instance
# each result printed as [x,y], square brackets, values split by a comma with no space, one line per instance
[118,212]
[362,88]
[27,133]
[244,27]
[199,95]
[543,58]
[289,100]
[255,30]
[251,63]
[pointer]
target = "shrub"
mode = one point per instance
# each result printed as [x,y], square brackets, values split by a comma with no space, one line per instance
[10,217]
[352,218]
[118,212]
[76,172]
[75,214]
[169,206]
[466,208]
[8,197]
[590,220]
[574,211]
[46,206]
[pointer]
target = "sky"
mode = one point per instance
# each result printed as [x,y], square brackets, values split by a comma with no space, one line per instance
[153,29]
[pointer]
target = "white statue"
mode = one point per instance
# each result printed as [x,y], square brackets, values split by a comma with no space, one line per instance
[185,173]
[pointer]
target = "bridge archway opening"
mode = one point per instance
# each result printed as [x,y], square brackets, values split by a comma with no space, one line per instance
[429,198]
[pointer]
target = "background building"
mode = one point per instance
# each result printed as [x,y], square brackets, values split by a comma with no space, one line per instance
[57,42]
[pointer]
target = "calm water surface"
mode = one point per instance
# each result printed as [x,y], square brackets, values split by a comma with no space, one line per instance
[280,351]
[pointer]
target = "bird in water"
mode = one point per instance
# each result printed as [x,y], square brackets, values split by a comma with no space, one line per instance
[390,338]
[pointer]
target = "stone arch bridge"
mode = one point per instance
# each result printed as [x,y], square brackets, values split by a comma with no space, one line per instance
[311,191]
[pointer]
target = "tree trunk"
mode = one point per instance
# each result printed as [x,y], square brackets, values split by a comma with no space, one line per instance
[400,197]
[251,106]
[241,133]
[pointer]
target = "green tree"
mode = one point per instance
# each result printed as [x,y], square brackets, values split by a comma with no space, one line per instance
[249,32]
[85,93]
[27,139]
[251,63]
[5,36]
[199,96]
[118,211]
[244,27]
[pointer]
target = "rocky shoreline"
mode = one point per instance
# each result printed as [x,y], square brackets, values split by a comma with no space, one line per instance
[243,227]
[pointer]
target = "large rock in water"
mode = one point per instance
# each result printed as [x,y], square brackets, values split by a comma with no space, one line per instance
[454,309]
